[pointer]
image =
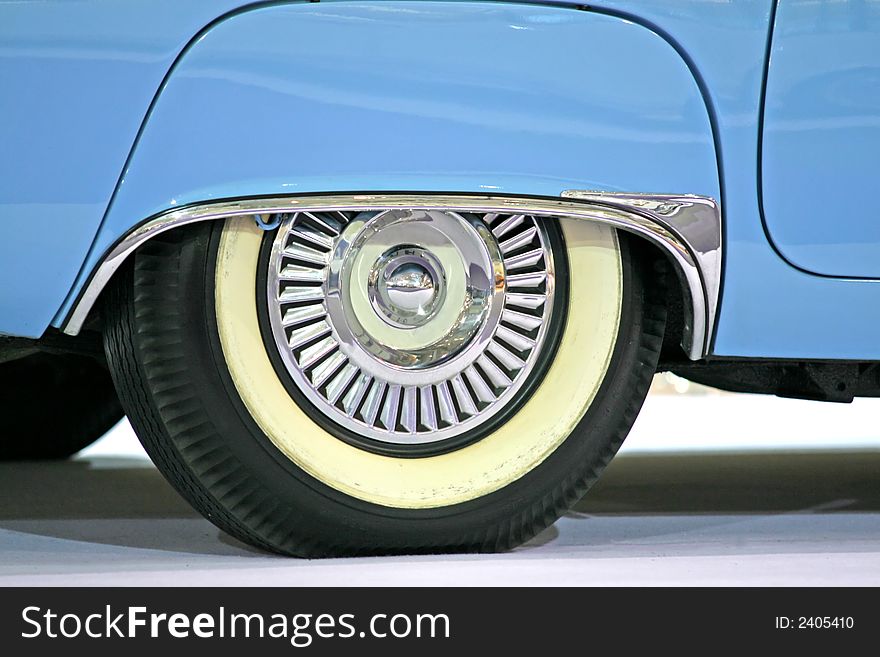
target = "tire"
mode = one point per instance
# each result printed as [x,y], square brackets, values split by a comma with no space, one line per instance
[196,376]
[52,406]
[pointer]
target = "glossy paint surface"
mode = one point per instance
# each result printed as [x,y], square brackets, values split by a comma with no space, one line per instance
[76,79]
[768,307]
[418,96]
[821,149]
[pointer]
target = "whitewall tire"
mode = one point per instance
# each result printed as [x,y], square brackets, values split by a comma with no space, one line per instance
[228,423]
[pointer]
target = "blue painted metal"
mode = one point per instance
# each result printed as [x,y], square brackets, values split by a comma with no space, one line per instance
[821,143]
[76,79]
[768,308]
[418,96]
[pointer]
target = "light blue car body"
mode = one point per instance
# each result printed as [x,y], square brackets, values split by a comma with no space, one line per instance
[112,112]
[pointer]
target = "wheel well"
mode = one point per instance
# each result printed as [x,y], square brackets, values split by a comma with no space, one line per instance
[658,261]
[672,291]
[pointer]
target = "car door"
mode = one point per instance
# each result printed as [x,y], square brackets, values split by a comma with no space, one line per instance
[821,137]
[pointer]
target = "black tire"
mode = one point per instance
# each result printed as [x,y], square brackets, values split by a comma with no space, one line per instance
[163,349]
[52,406]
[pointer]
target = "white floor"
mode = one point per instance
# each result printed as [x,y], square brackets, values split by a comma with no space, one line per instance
[709,489]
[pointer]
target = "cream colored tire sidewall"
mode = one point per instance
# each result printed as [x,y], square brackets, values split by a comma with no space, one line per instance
[500,458]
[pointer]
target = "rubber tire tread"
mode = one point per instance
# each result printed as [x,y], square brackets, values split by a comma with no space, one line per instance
[162,346]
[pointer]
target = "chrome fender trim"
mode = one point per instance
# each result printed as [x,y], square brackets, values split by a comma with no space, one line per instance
[686,227]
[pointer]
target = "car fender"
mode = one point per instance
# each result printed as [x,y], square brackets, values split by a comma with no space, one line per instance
[366,97]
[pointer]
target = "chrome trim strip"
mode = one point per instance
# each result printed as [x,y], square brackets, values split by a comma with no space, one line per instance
[695,224]
[687,227]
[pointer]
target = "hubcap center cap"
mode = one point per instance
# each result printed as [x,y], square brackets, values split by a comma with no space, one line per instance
[406,286]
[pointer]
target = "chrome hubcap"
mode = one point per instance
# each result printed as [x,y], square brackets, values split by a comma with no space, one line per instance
[406,286]
[409,326]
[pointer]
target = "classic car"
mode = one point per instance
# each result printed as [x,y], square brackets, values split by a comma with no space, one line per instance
[395,276]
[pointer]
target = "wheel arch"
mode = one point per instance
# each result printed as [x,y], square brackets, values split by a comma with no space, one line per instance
[242,112]
[685,229]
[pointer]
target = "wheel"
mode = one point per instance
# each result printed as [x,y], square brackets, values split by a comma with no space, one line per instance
[52,406]
[395,381]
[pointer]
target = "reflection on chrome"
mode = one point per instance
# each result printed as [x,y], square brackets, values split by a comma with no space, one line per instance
[409,326]
[686,227]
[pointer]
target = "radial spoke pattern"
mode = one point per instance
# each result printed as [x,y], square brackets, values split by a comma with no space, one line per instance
[403,410]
